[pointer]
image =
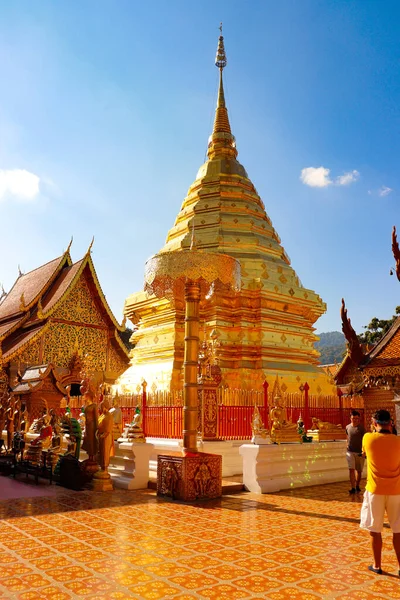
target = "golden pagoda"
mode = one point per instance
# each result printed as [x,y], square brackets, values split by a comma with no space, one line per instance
[263,331]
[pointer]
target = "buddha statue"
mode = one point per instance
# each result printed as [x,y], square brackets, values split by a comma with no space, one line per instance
[301,430]
[90,441]
[42,442]
[133,433]
[45,435]
[10,422]
[322,431]
[260,434]
[324,425]
[105,435]
[116,413]
[2,417]
[24,419]
[282,429]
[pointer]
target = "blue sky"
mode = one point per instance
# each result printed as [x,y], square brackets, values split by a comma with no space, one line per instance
[108,105]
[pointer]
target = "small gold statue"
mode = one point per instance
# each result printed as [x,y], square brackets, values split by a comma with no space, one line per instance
[133,433]
[116,413]
[282,430]
[260,434]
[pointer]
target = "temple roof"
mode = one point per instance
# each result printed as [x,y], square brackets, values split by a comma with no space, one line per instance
[33,379]
[387,351]
[25,310]
[30,286]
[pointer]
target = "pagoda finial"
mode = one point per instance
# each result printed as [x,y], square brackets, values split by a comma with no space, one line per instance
[220,59]
[90,246]
[221,142]
[70,244]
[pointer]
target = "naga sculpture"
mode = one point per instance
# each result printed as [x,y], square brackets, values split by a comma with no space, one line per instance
[396,252]
[353,343]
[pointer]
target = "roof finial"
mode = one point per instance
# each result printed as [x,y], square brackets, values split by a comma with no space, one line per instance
[20,273]
[91,246]
[220,59]
[221,142]
[70,244]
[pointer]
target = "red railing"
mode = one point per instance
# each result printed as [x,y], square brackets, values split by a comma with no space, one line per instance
[164,421]
[163,411]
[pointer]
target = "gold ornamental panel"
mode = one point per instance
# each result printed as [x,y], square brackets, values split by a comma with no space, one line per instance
[166,273]
[61,341]
[116,363]
[79,306]
[31,354]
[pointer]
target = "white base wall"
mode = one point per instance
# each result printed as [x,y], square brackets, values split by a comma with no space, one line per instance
[232,462]
[270,467]
[129,468]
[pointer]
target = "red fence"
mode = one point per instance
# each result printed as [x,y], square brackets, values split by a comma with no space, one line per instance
[163,411]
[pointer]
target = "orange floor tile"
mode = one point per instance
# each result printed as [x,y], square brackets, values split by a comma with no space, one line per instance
[303,544]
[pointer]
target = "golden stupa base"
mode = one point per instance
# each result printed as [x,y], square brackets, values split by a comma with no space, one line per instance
[101,482]
[190,477]
[327,436]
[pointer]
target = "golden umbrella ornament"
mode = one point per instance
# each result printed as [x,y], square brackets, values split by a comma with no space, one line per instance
[192,275]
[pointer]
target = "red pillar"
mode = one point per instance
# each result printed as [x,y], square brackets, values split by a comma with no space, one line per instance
[144,406]
[307,423]
[266,410]
[340,394]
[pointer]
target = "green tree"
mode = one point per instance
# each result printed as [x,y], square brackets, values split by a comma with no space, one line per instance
[125,337]
[377,328]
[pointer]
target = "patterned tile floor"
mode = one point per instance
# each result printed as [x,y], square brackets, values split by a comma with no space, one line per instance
[298,545]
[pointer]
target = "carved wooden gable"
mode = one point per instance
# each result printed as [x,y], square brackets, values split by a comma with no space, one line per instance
[80,306]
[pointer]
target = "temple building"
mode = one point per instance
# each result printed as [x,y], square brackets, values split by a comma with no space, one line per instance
[51,319]
[263,331]
[373,371]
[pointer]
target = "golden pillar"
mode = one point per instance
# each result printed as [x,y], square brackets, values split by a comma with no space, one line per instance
[190,365]
[192,275]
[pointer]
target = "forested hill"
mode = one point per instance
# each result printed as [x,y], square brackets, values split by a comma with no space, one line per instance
[332,346]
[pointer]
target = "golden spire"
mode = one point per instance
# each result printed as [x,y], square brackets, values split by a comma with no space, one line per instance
[221,142]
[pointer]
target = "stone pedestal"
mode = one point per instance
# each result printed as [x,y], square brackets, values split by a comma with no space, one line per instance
[129,468]
[270,468]
[189,477]
[101,482]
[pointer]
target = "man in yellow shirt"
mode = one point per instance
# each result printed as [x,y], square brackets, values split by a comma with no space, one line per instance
[382,492]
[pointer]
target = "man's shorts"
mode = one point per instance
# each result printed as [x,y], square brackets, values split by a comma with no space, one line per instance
[373,512]
[354,461]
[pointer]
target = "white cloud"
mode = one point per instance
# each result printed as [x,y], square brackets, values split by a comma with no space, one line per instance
[316,176]
[384,191]
[18,183]
[347,178]
[319,177]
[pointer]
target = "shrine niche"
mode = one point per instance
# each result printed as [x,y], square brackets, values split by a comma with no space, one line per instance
[55,315]
[38,389]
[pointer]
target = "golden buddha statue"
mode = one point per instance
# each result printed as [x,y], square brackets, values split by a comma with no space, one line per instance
[116,413]
[324,425]
[105,435]
[134,432]
[9,422]
[282,430]
[257,427]
[42,442]
[323,431]
[90,444]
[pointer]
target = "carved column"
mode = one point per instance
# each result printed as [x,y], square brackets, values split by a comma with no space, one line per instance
[190,365]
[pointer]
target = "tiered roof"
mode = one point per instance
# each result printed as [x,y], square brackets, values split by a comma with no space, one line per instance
[26,310]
